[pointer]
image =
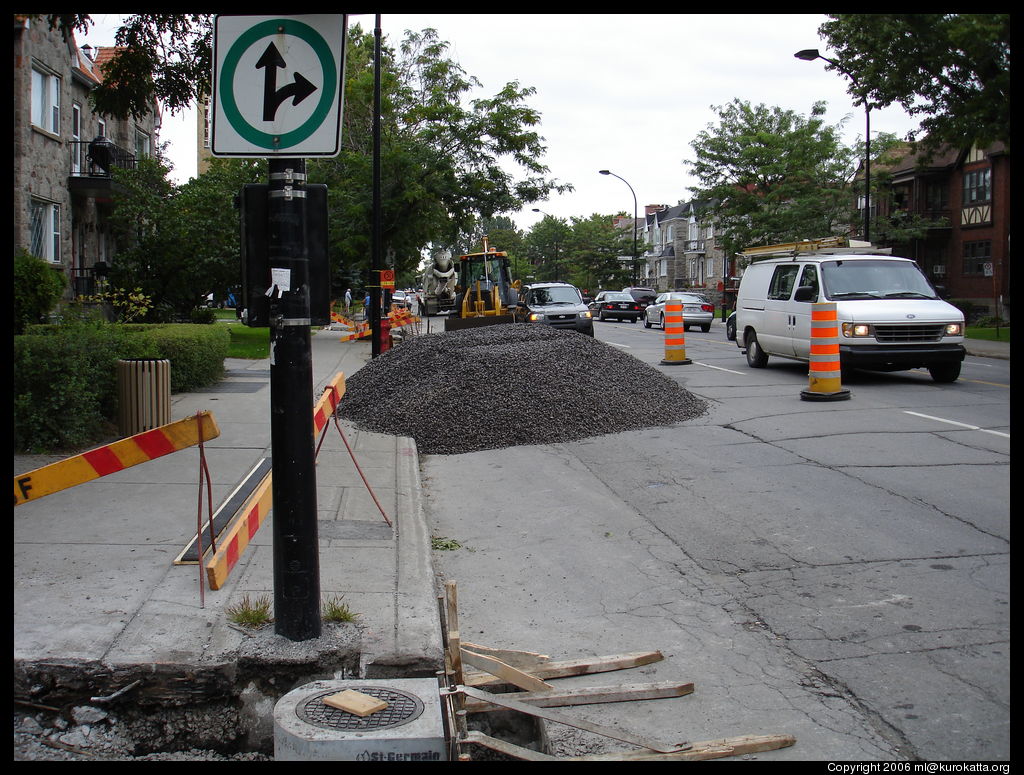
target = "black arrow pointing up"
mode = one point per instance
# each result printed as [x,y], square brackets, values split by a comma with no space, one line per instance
[299,89]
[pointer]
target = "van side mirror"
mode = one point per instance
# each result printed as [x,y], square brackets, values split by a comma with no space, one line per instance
[806,293]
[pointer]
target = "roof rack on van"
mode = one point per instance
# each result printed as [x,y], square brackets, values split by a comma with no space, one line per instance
[823,246]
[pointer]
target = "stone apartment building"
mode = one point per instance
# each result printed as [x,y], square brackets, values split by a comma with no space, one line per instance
[64,153]
[680,249]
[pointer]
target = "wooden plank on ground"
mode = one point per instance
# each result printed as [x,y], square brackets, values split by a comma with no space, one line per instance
[504,671]
[558,718]
[590,695]
[580,666]
[701,751]
[505,747]
[521,659]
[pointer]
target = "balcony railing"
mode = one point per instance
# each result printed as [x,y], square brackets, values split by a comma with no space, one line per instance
[97,158]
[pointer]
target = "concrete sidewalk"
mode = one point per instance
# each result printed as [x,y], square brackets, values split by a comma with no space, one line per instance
[95,579]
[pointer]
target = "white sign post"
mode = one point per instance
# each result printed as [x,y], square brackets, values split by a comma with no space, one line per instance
[278,85]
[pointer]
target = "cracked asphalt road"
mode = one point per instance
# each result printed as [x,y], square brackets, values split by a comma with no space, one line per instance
[838,572]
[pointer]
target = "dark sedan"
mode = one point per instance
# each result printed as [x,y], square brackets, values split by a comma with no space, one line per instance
[615,305]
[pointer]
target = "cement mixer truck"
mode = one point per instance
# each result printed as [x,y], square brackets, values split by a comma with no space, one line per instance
[438,283]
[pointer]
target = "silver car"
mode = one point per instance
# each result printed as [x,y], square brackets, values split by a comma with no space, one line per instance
[696,311]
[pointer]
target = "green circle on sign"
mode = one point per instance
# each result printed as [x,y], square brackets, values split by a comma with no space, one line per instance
[227,96]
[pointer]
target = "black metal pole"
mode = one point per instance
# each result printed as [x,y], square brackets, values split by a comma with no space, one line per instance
[636,256]
[296,545]
[375,249]
[867,171]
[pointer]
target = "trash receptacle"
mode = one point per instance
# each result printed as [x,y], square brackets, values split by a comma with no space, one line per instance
[143,394]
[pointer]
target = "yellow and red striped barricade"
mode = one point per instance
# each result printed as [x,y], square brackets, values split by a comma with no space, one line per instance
[115,457]
[237,537]
[824,376]
[675,334]
[257,507]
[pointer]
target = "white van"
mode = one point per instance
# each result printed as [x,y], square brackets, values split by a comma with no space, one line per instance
[890,317]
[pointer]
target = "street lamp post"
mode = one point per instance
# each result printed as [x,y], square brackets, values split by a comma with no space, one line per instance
[549,215]
[635,255]
[809,55]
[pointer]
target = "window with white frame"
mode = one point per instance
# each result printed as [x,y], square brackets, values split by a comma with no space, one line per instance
[141,144]
[44,228]
[45,100]
[76,138]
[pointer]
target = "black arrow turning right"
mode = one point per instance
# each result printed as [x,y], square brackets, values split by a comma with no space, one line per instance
[298,90]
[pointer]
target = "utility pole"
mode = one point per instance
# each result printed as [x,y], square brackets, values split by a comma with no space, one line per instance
[296,545]
[376,262]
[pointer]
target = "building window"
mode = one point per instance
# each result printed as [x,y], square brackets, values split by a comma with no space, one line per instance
[46,101]
[936,196]
[976,255]
[977,186]
[76,138]
[141,144]
[101,128]
[44,237]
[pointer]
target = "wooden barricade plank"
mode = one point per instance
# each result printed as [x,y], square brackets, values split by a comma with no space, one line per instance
[114,457]
[582,666]
[256,509]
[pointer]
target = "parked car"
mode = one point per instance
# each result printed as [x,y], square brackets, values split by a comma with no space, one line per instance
[696,311]
[643,296]
[401,299]
[615,305]
[554,304]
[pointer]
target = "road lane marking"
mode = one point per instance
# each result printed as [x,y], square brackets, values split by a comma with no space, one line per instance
[960,424]
[719,368]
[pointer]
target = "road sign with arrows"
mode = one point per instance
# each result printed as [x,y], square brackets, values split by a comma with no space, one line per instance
[278,85]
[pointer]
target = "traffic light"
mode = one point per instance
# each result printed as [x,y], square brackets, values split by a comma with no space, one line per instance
[253,216]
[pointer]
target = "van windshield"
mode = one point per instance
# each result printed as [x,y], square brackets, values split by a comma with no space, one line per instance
[875,280]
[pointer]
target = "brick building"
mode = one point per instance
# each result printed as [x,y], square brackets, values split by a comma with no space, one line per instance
[64,153]
[969,190]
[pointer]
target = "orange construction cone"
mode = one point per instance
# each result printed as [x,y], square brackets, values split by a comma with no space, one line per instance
[825,374]
[675,334]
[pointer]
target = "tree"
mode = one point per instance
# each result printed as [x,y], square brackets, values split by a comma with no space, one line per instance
[594,248]
[178,244]
[952,69]
[771,175]
[446,160]
[163,57]
[37,289]
[545,248]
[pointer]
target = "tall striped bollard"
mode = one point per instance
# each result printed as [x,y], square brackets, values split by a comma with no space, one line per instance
[824,377]
[675,338]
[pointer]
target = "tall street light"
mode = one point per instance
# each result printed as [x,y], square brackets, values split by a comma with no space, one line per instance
[635,256]
[809,55]
[549,215]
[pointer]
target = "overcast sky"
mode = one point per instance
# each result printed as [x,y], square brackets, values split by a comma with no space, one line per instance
[623,92]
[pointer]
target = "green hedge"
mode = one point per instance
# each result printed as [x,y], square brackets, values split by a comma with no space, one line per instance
[65,377]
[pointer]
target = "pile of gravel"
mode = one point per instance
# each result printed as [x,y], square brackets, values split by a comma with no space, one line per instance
[507,385]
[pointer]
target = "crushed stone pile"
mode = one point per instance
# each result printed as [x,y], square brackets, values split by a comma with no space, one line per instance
[508,385]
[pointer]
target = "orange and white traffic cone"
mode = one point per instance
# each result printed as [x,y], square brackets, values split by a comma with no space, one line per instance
[675,334]
[825,374]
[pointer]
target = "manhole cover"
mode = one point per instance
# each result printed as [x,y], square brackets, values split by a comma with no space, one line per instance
[402,708]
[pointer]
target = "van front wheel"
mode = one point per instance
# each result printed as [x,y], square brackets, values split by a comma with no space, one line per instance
[945,372]
[756,357]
